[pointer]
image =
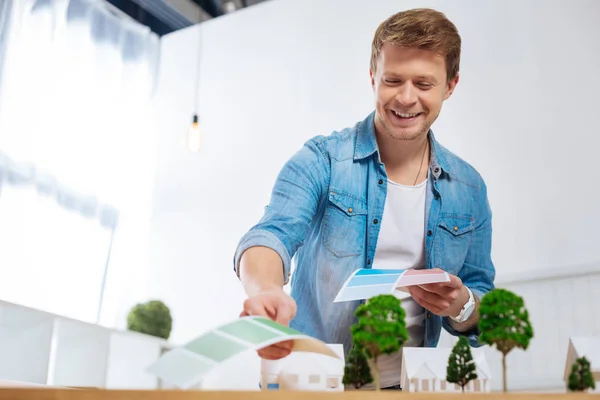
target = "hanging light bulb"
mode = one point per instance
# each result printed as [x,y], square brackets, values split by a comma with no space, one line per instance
[195,136]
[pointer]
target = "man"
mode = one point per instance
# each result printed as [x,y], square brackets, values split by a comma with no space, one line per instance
[381,194]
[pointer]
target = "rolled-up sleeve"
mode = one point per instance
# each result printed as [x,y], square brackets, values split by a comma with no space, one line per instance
[478,271]
[295,198]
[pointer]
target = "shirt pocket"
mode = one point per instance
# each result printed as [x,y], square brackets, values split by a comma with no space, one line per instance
[453,241]
[344,224]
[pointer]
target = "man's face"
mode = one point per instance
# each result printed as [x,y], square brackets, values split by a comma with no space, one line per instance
[410,86]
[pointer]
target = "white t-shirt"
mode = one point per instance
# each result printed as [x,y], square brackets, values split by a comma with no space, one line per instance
[401,245]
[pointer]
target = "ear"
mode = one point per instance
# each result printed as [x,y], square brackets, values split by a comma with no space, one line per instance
[451,86]
[372,78]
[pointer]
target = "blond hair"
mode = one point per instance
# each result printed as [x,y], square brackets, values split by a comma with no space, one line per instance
[421,28]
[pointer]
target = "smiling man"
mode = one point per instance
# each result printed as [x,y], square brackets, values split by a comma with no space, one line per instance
[380,194]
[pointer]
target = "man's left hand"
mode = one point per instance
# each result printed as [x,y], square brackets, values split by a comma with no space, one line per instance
[443,298]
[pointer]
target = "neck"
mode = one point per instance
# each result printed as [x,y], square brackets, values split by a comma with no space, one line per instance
[401,153]
[406,161]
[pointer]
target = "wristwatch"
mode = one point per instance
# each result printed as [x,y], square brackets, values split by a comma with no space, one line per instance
[466,310]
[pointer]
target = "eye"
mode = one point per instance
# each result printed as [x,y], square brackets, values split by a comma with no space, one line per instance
[392,81]
[425,85]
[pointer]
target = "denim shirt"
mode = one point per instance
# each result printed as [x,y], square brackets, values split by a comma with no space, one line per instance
[325,212]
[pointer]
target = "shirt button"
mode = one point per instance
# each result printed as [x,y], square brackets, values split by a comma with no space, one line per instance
[375,221]
[429,233]
[455,228]
[380,181]
[350,210]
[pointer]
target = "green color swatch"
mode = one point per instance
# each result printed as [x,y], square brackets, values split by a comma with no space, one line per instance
[249,331]
[215,347]
[280,328]
[182,367]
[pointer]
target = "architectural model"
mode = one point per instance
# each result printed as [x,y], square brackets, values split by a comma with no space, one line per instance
[588,347]
[424,370]
[304,371]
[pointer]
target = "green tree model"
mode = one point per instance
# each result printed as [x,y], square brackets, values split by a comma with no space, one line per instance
[581,379]
[357,372]
[461,366]
[380,329]
[504,322]
[152,318]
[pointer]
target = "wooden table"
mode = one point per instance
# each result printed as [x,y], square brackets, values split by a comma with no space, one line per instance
[99,394]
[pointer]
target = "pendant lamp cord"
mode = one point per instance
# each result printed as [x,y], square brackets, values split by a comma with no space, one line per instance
[197,69]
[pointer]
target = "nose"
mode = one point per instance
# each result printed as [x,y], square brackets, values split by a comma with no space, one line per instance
[407,94]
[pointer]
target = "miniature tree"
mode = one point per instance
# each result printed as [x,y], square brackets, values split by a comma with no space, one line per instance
[504,322]
[461,366]
[152,318]
[581,378]
[357,372]
[380,329]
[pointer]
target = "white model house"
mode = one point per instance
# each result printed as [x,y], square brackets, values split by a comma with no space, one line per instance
[304,371]
[584,346]
[424,370]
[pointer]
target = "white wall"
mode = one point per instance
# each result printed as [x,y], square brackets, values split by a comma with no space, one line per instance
[278,73]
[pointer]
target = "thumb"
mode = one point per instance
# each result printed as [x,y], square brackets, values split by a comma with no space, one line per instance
[284,314]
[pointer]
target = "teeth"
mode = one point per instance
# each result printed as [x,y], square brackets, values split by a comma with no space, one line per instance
[403,115]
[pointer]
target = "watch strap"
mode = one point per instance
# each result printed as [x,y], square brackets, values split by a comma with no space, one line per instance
[462,316]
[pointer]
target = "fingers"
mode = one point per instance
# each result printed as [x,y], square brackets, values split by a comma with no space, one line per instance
[284,315]
[419,297]
[277,308]
[255,308]
[427,295]
[437,288]
[277,350]
[429,300]
[455,281]
[443,287]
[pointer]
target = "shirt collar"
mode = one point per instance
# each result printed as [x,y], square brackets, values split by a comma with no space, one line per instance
[366,145]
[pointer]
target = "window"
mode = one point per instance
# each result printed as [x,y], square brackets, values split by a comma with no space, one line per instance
[314,379]
[80,82]
[415,384]
[333,382]
[49,250]
[291,379]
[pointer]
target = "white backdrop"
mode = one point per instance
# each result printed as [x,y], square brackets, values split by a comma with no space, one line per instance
[275,74]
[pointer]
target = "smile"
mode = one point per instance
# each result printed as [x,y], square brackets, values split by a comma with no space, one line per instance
[406,115]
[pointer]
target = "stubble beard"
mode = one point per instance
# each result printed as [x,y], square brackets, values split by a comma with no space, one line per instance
[404,137]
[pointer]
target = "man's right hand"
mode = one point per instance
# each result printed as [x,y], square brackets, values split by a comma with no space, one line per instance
[278,306]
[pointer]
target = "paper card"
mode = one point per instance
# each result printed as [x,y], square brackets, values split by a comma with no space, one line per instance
[366,283]
[414,277]
[184,367]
